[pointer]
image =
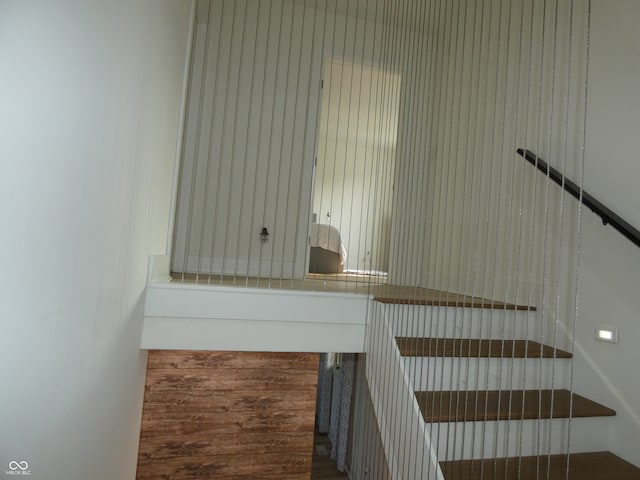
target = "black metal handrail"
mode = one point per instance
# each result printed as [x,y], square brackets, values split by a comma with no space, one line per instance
[609,217]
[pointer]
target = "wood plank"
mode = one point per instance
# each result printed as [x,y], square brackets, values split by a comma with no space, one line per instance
[215,415]
[582,466]
[401,295]
[471,406]
[461,302]
[475,348]
[256,476]
[270,465]
[163,445]
[188,424]
[182,359]
[357,284]
[202,402]
[226,379]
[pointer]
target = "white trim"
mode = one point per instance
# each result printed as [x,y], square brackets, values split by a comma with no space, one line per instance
[263,304]
[179,143]
[249,335]
[200,317]
[158,269]
[180,216]
[385,368]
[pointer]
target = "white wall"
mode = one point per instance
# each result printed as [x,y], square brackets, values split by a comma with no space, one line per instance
[365,456]
[609,272]
[253,130]
[478,245]
[502,82]
[353,184]
[90,95]
[408,448]
[411,49]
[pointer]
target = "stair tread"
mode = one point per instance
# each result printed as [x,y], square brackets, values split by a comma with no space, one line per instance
[476,348]
[461,406]
[405,295]
[582,466]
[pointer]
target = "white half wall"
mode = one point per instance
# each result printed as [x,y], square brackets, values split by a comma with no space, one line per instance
[201,317]
[90,94]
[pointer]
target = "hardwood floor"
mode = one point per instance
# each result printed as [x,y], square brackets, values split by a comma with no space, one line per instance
[475,348]
[350,283]
[473,406]
[323,468]
[230,415]
[582,466]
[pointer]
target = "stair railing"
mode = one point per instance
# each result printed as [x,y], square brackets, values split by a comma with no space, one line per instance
[609,217]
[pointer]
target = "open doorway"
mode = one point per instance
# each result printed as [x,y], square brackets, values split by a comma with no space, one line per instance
[354,175]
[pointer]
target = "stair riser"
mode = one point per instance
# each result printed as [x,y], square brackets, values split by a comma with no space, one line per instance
[517,438]
[429,373]
[452,322]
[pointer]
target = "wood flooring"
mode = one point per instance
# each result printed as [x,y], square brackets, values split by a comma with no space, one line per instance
[323,468]
[582,466]
[231,415]
[475,348]
[461,406]
[351,283]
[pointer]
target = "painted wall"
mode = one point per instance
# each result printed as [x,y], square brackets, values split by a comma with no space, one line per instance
[253,127]
[507,76]
[365,456]
[90,95]
[609,271]
[250,139]
[251,133]
[353,180]
[410,48]
[500,238]
[358,197]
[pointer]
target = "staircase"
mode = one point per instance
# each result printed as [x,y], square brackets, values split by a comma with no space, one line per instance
[496,405]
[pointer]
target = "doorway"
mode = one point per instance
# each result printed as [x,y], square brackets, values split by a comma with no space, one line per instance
[353,179]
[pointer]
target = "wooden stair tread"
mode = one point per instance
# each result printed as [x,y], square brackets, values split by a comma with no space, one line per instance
[582,466]
[476,348]
[404,295]
[461,302]
[469,406]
